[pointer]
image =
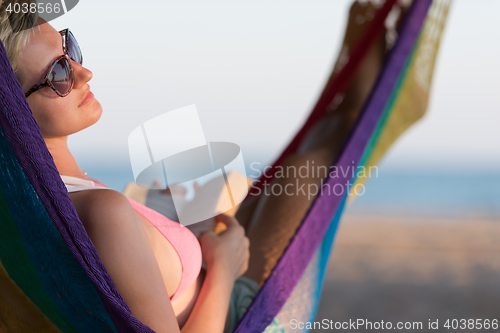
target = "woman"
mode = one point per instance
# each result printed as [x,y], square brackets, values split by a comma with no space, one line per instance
[149,268]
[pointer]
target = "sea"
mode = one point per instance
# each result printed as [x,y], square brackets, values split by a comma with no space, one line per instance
[400,191]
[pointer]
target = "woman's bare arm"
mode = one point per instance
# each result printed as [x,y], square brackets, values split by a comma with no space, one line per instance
[123,247]
[226,256]
[211,308]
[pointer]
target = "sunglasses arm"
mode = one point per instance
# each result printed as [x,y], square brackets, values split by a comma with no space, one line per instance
[35,88]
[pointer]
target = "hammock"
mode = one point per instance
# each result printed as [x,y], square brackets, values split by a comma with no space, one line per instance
[51,278]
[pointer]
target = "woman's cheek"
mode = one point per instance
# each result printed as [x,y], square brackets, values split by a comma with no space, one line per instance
[51,122]
[62,116]
[42,119]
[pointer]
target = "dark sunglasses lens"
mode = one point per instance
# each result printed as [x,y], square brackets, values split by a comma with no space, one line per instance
[61,77]
[74,51]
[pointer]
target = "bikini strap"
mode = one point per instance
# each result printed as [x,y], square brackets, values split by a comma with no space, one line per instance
[74,184]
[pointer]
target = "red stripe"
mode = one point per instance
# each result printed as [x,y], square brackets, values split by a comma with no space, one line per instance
[338,86]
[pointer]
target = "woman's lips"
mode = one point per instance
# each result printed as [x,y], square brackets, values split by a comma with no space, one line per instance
[87,99]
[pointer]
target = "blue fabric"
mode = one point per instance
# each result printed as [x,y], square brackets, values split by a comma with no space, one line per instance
[302,305]
[27,178]
[243,293]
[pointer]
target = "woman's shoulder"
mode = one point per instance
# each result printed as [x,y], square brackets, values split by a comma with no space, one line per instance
[102,205]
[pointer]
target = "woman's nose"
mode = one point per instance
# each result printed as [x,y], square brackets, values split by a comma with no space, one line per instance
[82,74]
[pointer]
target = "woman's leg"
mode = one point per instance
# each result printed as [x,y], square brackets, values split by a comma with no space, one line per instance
[272,218]
[352,99]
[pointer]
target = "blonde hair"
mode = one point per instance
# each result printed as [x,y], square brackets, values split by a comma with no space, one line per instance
[15,30]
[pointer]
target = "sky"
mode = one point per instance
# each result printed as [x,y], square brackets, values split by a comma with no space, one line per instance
[254,70]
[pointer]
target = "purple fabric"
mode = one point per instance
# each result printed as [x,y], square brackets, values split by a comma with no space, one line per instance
[299,252]
[27,143]
[23,135]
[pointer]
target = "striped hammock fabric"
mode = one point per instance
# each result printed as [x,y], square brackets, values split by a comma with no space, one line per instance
[51,278]
[410,97]
[292,292]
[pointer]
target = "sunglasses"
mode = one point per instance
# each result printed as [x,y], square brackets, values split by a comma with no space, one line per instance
[60,76]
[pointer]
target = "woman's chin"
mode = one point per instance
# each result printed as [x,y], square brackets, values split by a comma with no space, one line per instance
[95,111]
[90,117]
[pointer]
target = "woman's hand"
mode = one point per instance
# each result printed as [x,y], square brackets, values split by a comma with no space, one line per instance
[226,256]
[229,250]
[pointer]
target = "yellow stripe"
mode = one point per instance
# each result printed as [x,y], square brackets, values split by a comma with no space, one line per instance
[17,312]
[411,103]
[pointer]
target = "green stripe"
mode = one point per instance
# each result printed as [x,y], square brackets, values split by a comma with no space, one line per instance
[19,266]
[389,107]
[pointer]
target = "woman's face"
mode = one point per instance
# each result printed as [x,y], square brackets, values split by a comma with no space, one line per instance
[56,116]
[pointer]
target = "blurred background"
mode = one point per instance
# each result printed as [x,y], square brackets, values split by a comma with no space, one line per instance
[422,242]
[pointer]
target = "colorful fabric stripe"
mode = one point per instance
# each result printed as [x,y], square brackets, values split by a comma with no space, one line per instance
[291,266]
[303,302]
[36,257]
[333,88]
[51,269]
[409,101]
[59,250]
[17,310]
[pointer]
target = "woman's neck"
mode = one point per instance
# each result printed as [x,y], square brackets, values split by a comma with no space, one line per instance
[63,159]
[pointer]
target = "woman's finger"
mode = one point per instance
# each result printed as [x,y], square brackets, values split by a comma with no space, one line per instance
[207,236]
[229,221]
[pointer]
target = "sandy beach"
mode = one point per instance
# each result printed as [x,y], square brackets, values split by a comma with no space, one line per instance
[413,269]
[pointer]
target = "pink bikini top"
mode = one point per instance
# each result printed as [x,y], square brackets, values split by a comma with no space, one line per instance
[182,239]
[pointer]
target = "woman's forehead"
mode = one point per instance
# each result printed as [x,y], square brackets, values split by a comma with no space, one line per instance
[45,33]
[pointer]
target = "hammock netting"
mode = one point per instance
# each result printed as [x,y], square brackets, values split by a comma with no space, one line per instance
[51,277]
